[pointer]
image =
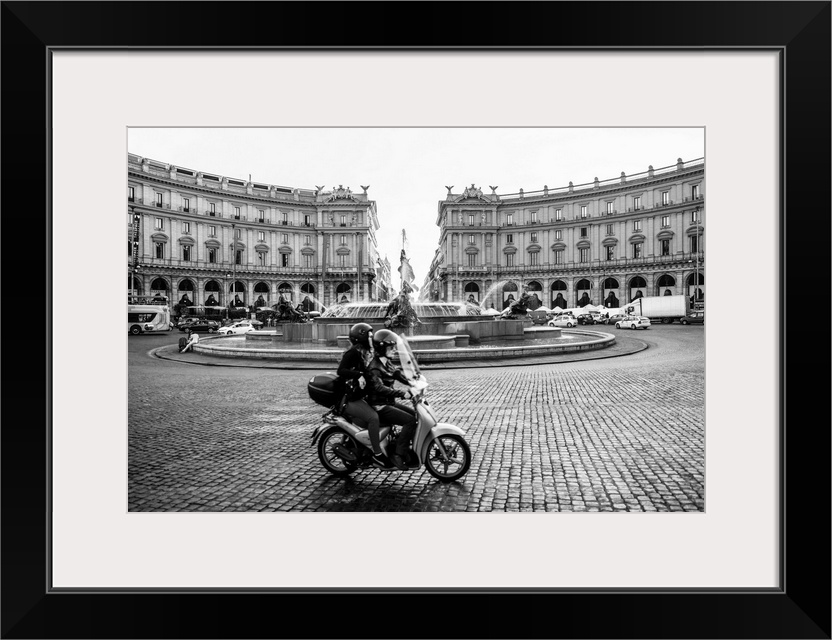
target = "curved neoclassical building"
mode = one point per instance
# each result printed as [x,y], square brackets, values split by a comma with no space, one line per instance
[605,242]
[208,236]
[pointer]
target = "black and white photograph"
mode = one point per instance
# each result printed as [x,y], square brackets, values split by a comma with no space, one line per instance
[416,319]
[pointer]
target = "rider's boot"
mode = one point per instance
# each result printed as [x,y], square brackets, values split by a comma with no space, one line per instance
[381,461]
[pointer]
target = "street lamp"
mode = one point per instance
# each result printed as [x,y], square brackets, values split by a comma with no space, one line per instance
[137,218]
[696,258]
[233,257]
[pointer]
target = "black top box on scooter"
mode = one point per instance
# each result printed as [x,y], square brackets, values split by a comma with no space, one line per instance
[324,389]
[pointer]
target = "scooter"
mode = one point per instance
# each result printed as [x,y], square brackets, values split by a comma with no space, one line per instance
[344,446]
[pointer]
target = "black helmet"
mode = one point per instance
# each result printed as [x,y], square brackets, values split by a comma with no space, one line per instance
[384,339]
[361,333]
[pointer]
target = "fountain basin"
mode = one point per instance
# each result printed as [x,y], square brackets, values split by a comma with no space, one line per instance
[569,341]
[421,343]
[327,330]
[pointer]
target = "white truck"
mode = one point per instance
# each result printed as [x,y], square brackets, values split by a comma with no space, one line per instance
[664,309]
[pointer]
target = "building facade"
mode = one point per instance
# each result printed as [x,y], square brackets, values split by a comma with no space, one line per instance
[602,243]
[211,238]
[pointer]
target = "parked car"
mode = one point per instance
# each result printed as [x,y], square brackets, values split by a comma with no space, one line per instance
[238,327]
[201,326]
[183,323]
[694,317]
[633,322]
[616,317]
[602,319]
[563,320]
[586,318]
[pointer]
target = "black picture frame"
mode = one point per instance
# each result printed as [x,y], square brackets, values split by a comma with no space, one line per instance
[800,608]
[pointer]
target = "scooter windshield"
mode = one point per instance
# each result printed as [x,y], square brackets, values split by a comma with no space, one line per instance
[407,361]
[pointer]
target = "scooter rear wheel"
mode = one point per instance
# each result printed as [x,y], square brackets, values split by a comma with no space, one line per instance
[458,459]
[332,462]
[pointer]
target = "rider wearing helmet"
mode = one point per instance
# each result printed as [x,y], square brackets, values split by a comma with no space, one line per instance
[382,394]
[352,372]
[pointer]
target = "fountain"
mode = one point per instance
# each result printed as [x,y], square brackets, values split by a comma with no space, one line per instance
[437,331]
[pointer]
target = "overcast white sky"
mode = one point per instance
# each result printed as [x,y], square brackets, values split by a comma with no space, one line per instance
[408,168]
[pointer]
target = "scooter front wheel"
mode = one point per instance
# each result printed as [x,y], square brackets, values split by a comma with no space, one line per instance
[332,462]
[448,457]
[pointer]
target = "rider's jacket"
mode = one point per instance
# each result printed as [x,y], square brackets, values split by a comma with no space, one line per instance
[353,365]
[381,375]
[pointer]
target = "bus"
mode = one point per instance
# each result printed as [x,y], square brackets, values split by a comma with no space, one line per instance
[147,318]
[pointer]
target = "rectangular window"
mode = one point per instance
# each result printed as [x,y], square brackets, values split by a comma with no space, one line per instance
[159,224]
[558,214]
[533,216]
[665,197]
[342,260]
[236,213]
[284,238]
[186,204]
[584,232]
[471,219]
[665,247]
[583,211]
[160,249]
[509,259]
[186,252]
[261,236]
[212,255]
[609,208]
[558,234]
[509,238]
[584,255]
[307,262]
[610,230]
[238,233]
[307,240]
[285,218]
[694,191]
[694,215]
[637,250]
[342,239]
[158,199]
[343,221]
[186,227]
[212,231]
[212,208]
[665,221]
[238,258]
[533,258]
[534,236]
[509,218]
[472,259]
[471,239]
[131,194]
[261,215]
[306,220]
[694,244]
[636,225]
[284,259]
[261,258]
[636,203]
[610,253]
[559,256]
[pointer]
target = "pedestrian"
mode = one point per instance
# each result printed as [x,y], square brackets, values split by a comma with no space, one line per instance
[193,339]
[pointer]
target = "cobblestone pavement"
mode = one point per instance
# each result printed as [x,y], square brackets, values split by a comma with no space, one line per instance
[616,434]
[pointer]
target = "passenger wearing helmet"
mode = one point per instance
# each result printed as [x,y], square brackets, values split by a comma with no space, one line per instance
[382,395]
[352,374]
